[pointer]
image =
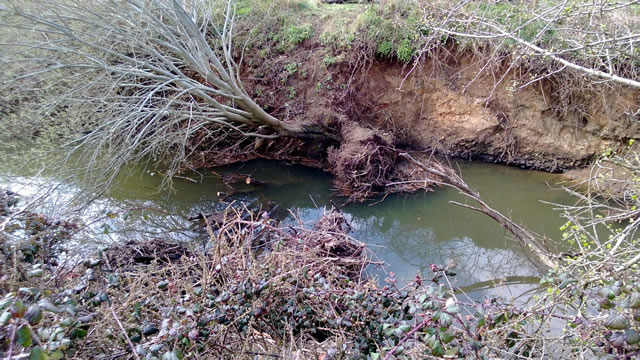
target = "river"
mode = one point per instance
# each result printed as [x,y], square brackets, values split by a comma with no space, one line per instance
[406,231]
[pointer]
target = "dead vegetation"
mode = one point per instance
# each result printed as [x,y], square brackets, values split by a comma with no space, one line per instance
[258,290]
[255,288]
[363,162]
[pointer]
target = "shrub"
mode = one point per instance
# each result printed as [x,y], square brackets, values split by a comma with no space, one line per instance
[296,34]
[405,51]
[291,68]
[385,49]
[331,60]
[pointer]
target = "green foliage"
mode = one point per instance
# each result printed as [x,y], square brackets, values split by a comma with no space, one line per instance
[300,5]
[275,30]
[599,277]
[296,34]
[394,30]
[605,306]
[244,8]
[405,51]
[291,68]
[339,33]
[385,49]
[44,320]
[513,16]
[338,38]
[331,60]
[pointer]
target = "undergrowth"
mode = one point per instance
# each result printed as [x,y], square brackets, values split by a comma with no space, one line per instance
[260,290]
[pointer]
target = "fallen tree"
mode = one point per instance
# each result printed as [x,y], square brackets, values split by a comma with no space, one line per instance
[160,81]
[149,76]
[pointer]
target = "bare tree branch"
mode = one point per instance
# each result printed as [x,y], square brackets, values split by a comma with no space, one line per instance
[153,74]
[527,240]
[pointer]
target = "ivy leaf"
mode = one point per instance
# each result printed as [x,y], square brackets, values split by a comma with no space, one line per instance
[445,320]
[33,315]
[78,333]
[8,299]
[47,305]
[24,336]
[481,322]
[451,353]
[608,293]
[57,355]
[399,351]
[475,345]
[500,318]
[5,317]
[634,300]
[404,328]
[173,355]
[18,309]
[616,339]
[631,336]
[430,341]
[436,316]
[453,309]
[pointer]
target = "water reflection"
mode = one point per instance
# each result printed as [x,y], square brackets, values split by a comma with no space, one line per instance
[409,250]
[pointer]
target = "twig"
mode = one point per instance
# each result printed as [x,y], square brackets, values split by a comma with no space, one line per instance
[25,208]
[262,354]
[185,178]
[449,178]
[13,335]
[124,332]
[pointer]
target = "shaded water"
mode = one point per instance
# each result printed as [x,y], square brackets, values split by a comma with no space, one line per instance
[408,232]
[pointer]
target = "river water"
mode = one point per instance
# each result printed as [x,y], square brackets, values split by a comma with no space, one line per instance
[406,231]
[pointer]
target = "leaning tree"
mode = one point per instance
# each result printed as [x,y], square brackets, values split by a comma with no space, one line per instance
[146,75]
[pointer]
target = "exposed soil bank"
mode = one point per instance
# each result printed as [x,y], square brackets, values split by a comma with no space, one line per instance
[443,104]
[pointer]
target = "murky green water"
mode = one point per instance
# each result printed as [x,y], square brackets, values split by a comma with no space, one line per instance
[408,232]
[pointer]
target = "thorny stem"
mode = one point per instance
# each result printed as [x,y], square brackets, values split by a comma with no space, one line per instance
[416,328]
